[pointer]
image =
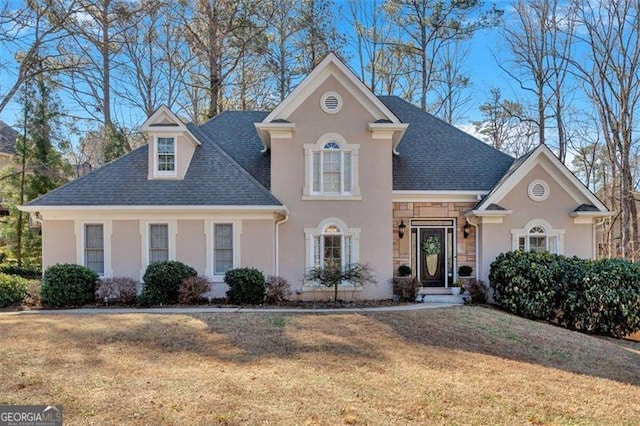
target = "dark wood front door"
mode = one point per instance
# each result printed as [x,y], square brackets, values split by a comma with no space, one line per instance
[432,270]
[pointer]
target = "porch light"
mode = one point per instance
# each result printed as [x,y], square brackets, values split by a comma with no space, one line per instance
[466,229]
[401,228]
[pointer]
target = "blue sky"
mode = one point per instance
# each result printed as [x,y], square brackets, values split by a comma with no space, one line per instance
[480,66]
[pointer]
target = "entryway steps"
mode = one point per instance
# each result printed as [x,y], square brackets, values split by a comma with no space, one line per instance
[438,295]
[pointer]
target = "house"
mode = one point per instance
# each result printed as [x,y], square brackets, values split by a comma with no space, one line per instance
[332,174]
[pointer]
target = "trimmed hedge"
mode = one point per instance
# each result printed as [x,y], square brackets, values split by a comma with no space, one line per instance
[599,297]
[13,289]
[162,282]
[21,271]
[246,286]
[68,285]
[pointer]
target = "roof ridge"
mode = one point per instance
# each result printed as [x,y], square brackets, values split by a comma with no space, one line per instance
[234,163]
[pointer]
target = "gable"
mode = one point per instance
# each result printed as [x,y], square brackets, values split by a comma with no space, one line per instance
[540,178]
[280,123]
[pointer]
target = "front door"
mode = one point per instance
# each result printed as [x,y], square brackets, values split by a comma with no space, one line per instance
[432,256]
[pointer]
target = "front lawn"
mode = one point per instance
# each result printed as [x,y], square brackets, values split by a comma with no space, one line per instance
[463,365]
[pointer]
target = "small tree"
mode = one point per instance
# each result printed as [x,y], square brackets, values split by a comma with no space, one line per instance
[332,275]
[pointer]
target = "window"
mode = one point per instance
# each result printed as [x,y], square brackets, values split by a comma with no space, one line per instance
[158,242]
[332,247]
[331,243]
[222,248]
[166,155]
[331,170]
[94,247]
[538,236]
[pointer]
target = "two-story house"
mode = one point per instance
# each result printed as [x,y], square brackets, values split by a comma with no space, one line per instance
[333,174]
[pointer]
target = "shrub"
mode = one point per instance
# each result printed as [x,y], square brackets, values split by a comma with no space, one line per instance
[406,287]
[605,301]
[246,286]
[332,275]
[118,290]
[465,270]
[192,289]
[278,290]
[477,292]
[600,297]
[68,285]
[404,271]
[13,289]
[523,283]
[21,271]
[162,282]
[33,294]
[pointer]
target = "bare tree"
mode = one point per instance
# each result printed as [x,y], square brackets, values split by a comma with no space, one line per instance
[218,34]
[539,40]
[452,97]
[32,32]
[427,26]
[611,75]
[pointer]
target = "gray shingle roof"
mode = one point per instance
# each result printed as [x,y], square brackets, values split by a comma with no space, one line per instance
[434,155]
[213,178]
[7,138]
[586,208]
[229,168]
[235,133]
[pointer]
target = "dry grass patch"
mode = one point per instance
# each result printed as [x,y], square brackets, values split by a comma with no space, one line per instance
[463,365]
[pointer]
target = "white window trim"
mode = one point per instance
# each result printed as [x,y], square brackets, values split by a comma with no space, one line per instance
[209,234]
[551,232]
[145,226]
[107,229]
[310,233]
[165,174]
[309,149]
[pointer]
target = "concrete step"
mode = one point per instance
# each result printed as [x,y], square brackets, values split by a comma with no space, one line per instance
[440,298]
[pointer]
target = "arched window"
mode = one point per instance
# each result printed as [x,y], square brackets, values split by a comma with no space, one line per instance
[538,236]
[331,169]
[331,243]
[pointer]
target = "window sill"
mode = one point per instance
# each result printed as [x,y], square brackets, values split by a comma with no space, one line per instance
[331,198]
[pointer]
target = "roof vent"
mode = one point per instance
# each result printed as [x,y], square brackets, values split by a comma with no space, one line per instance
[331,102]
[538,190]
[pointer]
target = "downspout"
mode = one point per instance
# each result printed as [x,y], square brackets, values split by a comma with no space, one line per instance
[277,248]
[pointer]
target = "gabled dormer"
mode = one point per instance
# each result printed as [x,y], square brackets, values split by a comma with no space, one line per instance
[171,145]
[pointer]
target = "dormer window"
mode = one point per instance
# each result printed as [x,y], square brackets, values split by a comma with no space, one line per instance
[167,154]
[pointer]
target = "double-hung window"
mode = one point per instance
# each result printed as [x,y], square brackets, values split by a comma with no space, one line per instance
[332,170]
[222,248]
[158,242]
[94,247]
[166,155]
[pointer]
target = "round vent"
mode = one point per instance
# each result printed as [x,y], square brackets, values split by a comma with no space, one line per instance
[538,190]
[331,102]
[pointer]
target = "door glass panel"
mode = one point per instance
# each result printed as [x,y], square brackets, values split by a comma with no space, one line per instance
[449,257]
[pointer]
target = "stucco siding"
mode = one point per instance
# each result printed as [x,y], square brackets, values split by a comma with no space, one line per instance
[58,242]
[257,245]
[190,244]
[372,214]
[125,246]
[577,239]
